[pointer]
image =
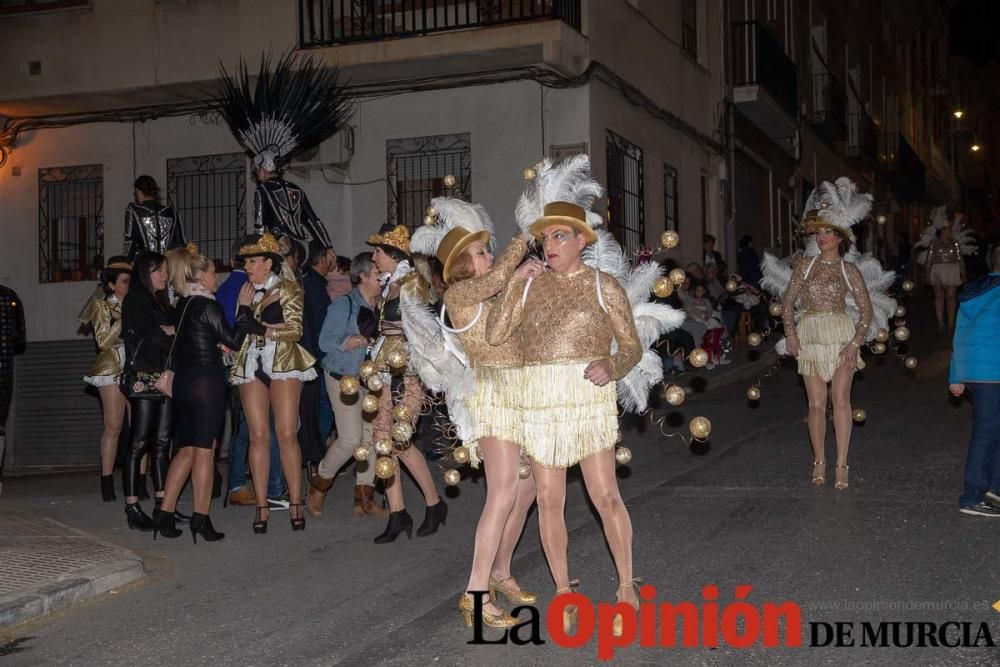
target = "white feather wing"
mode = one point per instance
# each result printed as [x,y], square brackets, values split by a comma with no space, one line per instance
[776,275]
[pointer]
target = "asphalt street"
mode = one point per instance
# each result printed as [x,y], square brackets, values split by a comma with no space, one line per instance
[893,548]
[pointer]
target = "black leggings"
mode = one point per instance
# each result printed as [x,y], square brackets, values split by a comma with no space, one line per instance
[152,424]
[312,444]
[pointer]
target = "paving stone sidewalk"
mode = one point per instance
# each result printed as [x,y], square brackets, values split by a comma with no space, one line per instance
[46,565]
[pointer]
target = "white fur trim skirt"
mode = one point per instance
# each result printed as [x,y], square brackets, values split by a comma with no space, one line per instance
[265,357]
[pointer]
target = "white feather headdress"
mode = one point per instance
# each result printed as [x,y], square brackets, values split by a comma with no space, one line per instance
[568,181]
[839,204]
[939,220]
[450,213]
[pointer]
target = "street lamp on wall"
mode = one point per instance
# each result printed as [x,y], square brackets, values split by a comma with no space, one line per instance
[958,113]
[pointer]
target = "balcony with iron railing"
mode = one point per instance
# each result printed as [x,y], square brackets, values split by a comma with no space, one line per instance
[765,87]
[829,106]
[862,139]
[335,22]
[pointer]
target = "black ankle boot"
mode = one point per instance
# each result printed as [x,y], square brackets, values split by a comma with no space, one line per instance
[398,522]
[178,517]
[143,492]
[163,524]
[437,515]
[137,519]
[107,488]
[201,524]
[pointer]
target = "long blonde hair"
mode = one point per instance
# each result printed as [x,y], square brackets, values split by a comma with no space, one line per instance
[184,264]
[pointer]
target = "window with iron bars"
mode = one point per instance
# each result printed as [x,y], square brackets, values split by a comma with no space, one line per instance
[626,194]
[415,172]
[209,194]
[669,197]
[70,223]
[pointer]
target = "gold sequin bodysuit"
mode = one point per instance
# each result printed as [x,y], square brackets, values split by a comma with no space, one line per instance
[943,253]
[824,291]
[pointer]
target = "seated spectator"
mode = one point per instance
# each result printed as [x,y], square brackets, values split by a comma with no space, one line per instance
[700,309]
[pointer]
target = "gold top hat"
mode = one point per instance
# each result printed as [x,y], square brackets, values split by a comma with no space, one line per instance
[452,245]
[398,237]
[265,245]
[812,220]
[119,266]
[563,213]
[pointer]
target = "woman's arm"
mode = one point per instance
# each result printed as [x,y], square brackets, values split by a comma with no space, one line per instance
[107,330]
[291,299]
[475,290]
[856,283]
[505,316]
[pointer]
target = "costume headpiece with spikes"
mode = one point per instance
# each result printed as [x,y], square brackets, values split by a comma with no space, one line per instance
[291,107]
[837,205]
[458,225]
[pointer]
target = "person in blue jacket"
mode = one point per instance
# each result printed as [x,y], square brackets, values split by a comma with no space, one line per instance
[975,364]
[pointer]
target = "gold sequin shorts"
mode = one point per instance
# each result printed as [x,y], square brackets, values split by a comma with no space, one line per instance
[822,337]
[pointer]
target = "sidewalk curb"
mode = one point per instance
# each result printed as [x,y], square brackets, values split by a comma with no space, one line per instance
[73,587]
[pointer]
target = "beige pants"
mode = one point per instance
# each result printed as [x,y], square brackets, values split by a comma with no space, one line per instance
[352,430]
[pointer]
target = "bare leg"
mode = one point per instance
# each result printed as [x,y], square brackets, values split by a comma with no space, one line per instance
[285,403]
[201,478]
[255,398]
[842,421]
[949,295]
[939,305]
[113,404]
[177,474]
[551,486]
[502,460]
[817,392]
[416,464]
[602,487]
[512,531]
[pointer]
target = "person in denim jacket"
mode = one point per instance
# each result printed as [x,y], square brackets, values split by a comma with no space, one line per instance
[351,323]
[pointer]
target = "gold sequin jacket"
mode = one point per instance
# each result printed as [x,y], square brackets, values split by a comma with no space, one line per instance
[825,291]
[108,336]
[562,320]
[288,354]
[476,297]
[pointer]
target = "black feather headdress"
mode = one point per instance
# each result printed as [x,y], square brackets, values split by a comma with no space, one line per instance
[291,107]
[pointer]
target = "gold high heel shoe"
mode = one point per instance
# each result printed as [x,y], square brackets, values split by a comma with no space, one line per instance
[617,624]
[819,479]
[841,484]
[519,596]
[570,612]
[501,620]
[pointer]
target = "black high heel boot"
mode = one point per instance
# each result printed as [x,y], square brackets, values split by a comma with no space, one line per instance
[107,488]
[178,517]
[437,515]
[399,522]
[201,524]
[163,524]
[137,519]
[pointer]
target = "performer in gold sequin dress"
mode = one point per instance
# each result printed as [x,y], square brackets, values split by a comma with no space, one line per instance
[825,341]
[945,272]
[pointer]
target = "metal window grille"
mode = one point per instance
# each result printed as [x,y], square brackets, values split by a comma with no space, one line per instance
[670,197]
[209,195]
[689,28]
[626,209]
[70,223]
[415,172]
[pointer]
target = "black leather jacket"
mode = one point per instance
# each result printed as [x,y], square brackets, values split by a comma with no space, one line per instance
[203,327]
[145,343]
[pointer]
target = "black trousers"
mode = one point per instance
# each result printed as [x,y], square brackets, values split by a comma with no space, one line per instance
[152,431]
[311,442]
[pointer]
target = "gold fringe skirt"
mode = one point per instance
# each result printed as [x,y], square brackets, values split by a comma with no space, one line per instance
[822,336]
[494,408]
[564,417]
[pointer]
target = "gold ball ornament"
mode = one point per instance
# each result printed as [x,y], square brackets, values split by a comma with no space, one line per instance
[910,362]
[383,447]
[402,413]
[349,385]
[755,339]
[880,219]
[397,359]
[452,477]
[900,311]
[367,369]
[623,455]
[529,174]
[663,287]
[374,382]
[774,309]
[402,431]
[431,211]
[674,395]
[753,393]
[878,348]
[524,471]
[882,336]
[901,333]
[700,428]
[461,455]
[670,239]
[858,415]
[369,403]
[450,181]
[698,357]
[907,285]
[732,285]
[429,220]
[677,276]
[385,467]
[361,453]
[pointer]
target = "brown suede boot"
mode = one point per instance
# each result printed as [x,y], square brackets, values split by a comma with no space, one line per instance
[318,487]
[364,503]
